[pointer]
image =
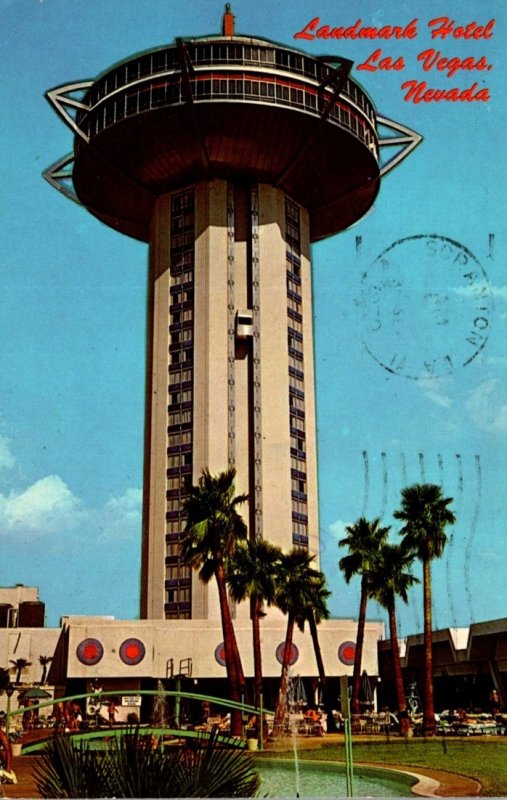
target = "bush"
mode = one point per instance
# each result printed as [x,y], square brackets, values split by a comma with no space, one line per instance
[132,767]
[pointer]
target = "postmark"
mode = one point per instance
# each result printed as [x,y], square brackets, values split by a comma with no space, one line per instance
[425,307]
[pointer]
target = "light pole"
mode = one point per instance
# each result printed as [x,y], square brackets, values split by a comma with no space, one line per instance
[9,691]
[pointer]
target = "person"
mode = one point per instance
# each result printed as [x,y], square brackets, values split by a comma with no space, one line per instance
[59,715]
[6,771]
[313,717]
[28,719]
[494,703]
[77,716]
[111,710]
[206,712]
[68,716]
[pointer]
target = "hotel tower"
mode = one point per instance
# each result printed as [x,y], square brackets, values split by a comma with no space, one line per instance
[229,155]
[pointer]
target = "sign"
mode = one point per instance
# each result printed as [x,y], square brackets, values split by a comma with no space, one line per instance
[131,700]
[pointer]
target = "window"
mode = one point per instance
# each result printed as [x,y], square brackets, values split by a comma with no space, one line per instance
[297,423]
[177,440]
[179,417]
[176,571]
[173,549]
[178,595]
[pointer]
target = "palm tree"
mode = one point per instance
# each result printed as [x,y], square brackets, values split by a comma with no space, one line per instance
[425,514]
[44,661]
[364,540]
[389,580]
[213,529]
[20,664]
[252,573]
[314,614]
[297,587]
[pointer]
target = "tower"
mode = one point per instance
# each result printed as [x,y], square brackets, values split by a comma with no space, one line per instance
[229,155]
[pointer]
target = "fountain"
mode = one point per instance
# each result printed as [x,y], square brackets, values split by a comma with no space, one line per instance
[296,698]
[159,712]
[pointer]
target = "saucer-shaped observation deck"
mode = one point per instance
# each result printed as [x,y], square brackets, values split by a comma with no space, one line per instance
[225,107]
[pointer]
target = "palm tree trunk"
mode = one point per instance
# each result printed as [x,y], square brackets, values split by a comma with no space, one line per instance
[398,676]
[358,655]
[281,703]
[233,664]
[331,724]
[316,649]
[429,724]
[257,655]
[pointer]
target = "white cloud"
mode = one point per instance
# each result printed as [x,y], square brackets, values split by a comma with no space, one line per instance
[337,528]
[7,460]
[487,406]
[120,518]
[435,390]
[499,292]
[45,507]
[49,508]
[481,289]
[500,361]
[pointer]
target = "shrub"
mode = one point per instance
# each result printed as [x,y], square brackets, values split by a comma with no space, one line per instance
[132,767]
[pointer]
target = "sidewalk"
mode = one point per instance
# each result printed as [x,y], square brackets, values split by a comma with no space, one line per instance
[25,787]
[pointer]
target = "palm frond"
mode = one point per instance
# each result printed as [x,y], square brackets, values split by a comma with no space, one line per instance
[132,767]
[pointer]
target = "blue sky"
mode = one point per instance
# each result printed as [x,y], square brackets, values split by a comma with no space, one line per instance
[73,312]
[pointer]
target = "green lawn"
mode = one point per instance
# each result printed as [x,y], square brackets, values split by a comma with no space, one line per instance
[484,759]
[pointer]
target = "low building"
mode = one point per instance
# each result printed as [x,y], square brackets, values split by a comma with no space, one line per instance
[131,655]
[468,663]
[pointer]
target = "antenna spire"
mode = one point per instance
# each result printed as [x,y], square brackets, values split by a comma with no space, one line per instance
[228,21]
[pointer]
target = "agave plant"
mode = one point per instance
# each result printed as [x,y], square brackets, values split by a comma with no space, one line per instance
[69,771]
[132,767]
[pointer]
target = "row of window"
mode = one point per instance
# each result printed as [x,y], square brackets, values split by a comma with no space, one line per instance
[180,378]
[177,611]
[179,419]
[173,484]
[178,594]
[178,295]
[175,92]
[161,61]
[293,286]
[296,384]
[177,572]
[296,376]
[181,356]
[178,318]
[179,336]
[182,416]
[296,403]
[298,485]
[181,260]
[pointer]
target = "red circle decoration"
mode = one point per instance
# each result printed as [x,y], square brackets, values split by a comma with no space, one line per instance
[294,653]
[220,654]
[347,652]
[89,652]
[132,652]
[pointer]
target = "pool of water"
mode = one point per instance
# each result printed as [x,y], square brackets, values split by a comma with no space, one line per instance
[320,779]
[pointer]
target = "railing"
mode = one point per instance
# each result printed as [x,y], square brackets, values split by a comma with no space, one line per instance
[176,731]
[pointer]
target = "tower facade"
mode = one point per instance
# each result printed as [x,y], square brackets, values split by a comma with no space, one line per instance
[229,155]
[231,381]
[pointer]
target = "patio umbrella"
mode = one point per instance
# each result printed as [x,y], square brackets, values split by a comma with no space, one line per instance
[297,692]
[366,692]
[33,694]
